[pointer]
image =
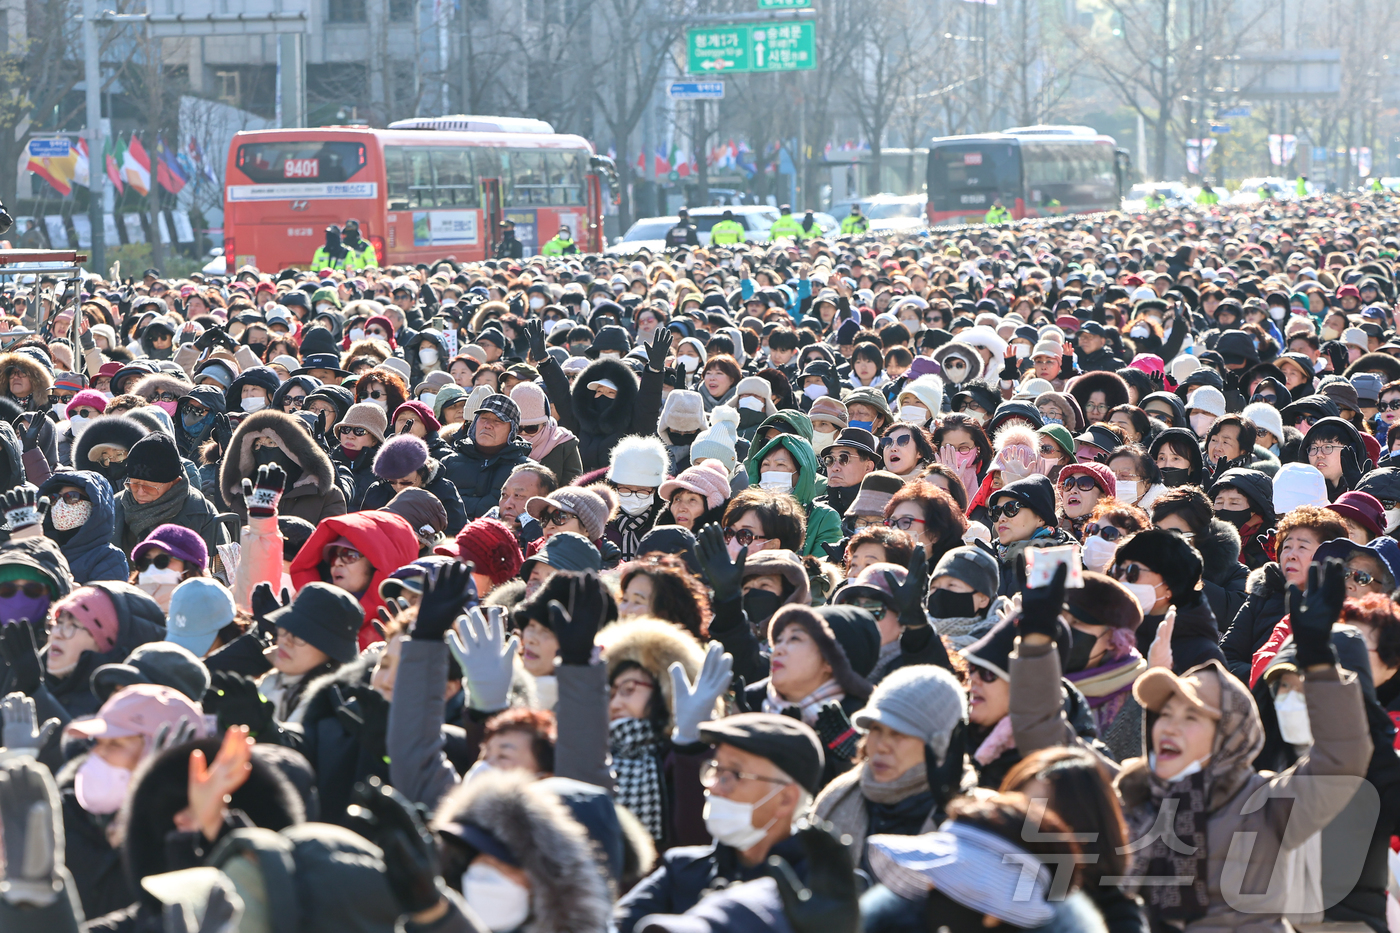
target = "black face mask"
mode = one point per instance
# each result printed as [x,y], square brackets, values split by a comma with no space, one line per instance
[945,604]
[115,473]
[684,437]
[1081,650]
[759,606]
[258,349]
[1237,517]
[276,455]
[1176,476]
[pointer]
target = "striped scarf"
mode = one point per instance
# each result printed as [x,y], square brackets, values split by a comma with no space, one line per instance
[809,706]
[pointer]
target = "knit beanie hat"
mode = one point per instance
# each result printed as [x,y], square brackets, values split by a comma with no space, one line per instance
[177,541]
[199,607]
[326,617]
[830,409]
[832,648]
[154,459]
[683,412]
[1298,484]
[1035,492]
[531,402]
[491,548]
[720,440]
[1208,399]
[95,612]
[638,461]
[424,413]
[369,416]
[88,398]
[923,701]
[401,455]
[876,491]
[593,506]
[707,480]
[973,566]
[1267,417]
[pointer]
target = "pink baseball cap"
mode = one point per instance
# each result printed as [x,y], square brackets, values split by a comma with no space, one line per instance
[140,709]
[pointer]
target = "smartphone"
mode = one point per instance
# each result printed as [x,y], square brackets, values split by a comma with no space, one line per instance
[1041,564]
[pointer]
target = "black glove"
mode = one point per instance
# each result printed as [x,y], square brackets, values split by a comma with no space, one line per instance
[22,506]
[429,298]
[234,700]
[738,686]
[535,332]
[1041,606]
[364,713]
[659,349]
[19,644]
[830,901]
[386,818]
[726,577]
[517,304]
[218,913]
[207,340]
[677,377]
[911,596]
[445,598]
[263,602]
[222,431]
[1221,465]
[1313,613]
[1351,470]
[576,627]
[261,496]
[836,732]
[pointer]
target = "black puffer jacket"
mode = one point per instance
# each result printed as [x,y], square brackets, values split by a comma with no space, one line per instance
[478,476]
[600,423]
[1265,603]
[1195,639]
[1223,577]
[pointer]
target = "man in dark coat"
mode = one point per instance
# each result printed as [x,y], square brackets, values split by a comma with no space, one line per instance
[487,451]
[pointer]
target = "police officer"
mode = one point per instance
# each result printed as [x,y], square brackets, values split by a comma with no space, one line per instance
[562,245]
[997,213]
[1207,195]
[1154,200]
[728,231]
[359,252]
[809,227]
[855,223]
[332,255]
[509,247]
[785,226]
[683,233]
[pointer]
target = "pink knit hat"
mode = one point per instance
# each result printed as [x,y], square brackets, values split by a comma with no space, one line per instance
[530,399]
[707,480]
[87,398]
[95,612]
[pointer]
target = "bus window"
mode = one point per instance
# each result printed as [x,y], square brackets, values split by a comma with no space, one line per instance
[487,162]
[297,162]
[420,177]
[456,186]
[529,182]
[970,178]
[566,170]
[395,178]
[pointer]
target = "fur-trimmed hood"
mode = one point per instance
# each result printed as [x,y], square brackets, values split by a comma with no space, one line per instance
[1266,581]
[39,378]
[568,893]
[291,438]
[105,429]
[1219,546]
[604,416]
[150,387]
[655,645]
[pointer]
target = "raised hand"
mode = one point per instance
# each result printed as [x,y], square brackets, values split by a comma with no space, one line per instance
[1041,606]
[261,496]
[263,603]
[1313,612]
[21,725]
[445,597]
[1160,652]
[590,607]
[911,595]
[169,735]
[210,785]
[534,331]
[725,576]
[22,505]
[32,814]
[19,644]
[385,817]
[830,900]
[1017,463]
[659,349]
[486,657]
[964,465]
[695,703]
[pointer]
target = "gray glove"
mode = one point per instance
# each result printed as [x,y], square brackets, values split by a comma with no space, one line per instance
[21,723]
[486,657]
[169,735]
[222,911]
[32,816]
[696,703]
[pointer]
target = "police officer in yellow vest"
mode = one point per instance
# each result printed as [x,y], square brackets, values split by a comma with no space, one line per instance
[728,231]
[1301,186]
[855,223]
[1154,200]
[785,226]
[1207,195]
[1376,185]
[360,252]
[332,255]
[562,245]
[997,213]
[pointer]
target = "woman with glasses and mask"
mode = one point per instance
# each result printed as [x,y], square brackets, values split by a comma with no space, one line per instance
[81,519]
[906,450]
[550,442]
[356,439]
[1081,487]
[167,557]
[1163,571]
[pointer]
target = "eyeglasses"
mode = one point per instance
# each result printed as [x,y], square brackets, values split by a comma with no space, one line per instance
[1107,532]
[713,774]
[73,497]
[342,555]
[900,440]
[1323,450]
[345,429]
[1392,405]
[841,459]
[556,517]
[965,448]
[31,588]
[1049,450]
[860,523]
[142,485]
[61,399]
[627,689]
[1130,572]
[293,401]
[160,561]
[984,674]
[743,536]
[166,397]
[1080,481]
[291,640]
[1010,510]
[875,607]
[1360,577]
[65,629]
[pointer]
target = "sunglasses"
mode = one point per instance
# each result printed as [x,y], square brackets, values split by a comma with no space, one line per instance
[346,429]
[875,607]
[1266,399]
[1049,450]
[1360,577]
[31,588]
[1081,482]
[161,562]
[1129,573]
[346,555]
[557,517]
[838,459]
[1010,510]
[73,497]
[293,401]
[902,440]
[86,412]
[986,675]
[743,536]
[530,430]
[166,397]
[1107,532]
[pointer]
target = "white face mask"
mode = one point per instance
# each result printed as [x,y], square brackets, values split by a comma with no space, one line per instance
[1195,767]
[549,325]
[978,416]
[323,306]
[1138,333]
[251,405]
[916,414]
[536,302]
[1277,312]
[610,355]
[77,425]
[154,576]
[1330,333]
[777,481]
[751,403]
[814,392]
[956,372]
[1201,424]
[823,439]
[427,398]
[357,333]
[1098,553]
[689,363]
[1392,521]
[635,503]
[1145,594]
[731,822]
[1127,490]
[427,355]
[501,904]
[1293,724]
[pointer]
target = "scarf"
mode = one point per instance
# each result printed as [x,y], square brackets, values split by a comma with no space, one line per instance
[911,782]
[1184,803]
[549,436]
[809,706]
[887,656]
[1108,686]
[1000,740]
[632,528]
[142,519]
[635,746]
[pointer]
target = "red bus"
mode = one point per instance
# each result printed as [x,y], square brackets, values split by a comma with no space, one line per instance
[421,189]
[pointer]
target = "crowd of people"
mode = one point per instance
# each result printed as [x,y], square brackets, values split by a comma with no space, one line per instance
[1038,576]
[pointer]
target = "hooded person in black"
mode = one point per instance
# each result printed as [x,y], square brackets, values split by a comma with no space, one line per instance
[83,529]
[1344,467]
[276,437]
[103,446]
[1196,638]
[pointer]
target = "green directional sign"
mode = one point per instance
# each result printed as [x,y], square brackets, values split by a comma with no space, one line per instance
[783,4]
[747,48]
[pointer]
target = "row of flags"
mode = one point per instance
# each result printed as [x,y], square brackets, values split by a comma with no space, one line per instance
[63,163]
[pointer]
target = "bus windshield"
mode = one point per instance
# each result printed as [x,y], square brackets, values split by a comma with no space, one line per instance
[970,176]
[291,162]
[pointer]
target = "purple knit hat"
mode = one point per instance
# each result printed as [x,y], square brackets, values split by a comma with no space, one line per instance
[177,541]
[399,456]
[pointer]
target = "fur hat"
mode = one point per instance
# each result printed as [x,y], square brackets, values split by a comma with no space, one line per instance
[683,411]
[401,455]
[638,461]
[655,645]
[755,385]
[707,480]
[369,416]
[1165,552]
[845,637]
[1105,601]
[1267,417]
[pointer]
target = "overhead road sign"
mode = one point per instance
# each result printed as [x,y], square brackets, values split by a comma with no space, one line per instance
[742,47]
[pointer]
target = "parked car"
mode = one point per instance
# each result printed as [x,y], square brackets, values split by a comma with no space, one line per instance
[649,233]
[1173,192]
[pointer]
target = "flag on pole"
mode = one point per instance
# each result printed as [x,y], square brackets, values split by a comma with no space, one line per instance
[202,165]
[113,153]
[168,171]
[82,170]
[136,165]
[53,160]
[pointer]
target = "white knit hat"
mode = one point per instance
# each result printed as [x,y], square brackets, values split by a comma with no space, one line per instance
[638,461]
[1208,399]
[1298,484]
[720,440]
[1267,417]
[1182,366]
